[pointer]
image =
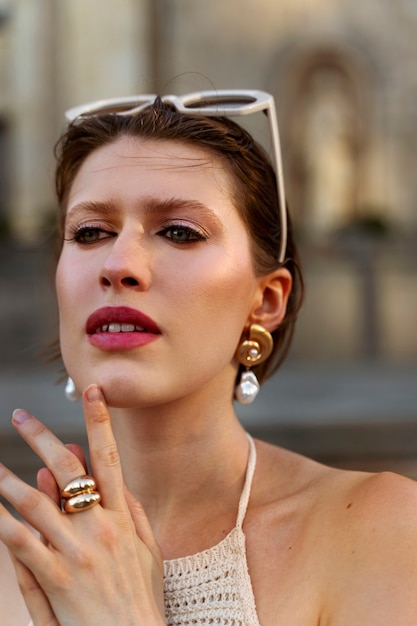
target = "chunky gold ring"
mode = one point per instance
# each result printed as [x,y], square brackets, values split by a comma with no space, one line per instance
[80,495]
[81,502]
[82,484]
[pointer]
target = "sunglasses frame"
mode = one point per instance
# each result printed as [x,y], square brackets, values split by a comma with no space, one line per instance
[215,103]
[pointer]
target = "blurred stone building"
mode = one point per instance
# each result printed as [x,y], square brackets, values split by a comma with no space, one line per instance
[345,81]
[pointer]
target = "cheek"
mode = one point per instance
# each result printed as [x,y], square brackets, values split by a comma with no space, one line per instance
[63,286]
[60,284]
[66,311]
[230,276]
[218,294]
[72,289]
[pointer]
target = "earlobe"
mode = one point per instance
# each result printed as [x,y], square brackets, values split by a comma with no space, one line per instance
[274,291]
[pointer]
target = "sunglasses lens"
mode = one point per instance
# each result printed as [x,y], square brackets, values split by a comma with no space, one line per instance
[110,109]
[221,102]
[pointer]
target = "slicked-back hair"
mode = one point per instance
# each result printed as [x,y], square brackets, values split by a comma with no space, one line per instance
[253,184]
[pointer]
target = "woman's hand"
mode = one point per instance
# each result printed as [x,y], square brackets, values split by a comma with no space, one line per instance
[101,566]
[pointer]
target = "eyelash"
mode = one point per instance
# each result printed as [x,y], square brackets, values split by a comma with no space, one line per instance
[80,232]
[193,235]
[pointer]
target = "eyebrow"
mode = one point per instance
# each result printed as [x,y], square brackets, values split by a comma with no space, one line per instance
[90,206]
[150,206]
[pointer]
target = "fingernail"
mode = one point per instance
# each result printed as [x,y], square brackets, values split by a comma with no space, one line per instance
[93,394]
[20,416]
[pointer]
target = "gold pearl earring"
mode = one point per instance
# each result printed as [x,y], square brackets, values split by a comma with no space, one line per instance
[252,351]
[71,392]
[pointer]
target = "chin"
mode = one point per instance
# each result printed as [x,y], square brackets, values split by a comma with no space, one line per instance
[122,394]
[125,393]
[117,400]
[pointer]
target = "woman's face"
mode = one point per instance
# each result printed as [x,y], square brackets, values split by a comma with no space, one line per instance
[155,281]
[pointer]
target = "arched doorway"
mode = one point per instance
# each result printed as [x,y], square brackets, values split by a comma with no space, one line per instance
[325,142]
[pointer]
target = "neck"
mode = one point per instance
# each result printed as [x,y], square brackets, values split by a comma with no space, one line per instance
[180,460]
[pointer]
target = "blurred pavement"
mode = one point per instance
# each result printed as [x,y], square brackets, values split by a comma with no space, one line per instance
[300,394]
[359,415]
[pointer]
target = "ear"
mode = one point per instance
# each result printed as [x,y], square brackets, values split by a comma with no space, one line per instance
[272,297]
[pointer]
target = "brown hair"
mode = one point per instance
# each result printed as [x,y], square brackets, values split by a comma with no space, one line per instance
[255,193]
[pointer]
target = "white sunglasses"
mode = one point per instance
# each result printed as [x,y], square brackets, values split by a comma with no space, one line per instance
[222,103]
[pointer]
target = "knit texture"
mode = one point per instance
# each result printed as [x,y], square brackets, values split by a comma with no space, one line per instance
[214,586]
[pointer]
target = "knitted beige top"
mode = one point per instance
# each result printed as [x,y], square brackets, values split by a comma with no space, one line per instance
[214,586]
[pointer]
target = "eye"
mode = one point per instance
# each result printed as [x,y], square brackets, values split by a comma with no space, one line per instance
[179,233]
[85,235]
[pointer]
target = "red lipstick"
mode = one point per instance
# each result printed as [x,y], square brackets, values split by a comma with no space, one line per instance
[120,328]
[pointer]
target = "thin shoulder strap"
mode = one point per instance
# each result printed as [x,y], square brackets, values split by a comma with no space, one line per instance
[250,470]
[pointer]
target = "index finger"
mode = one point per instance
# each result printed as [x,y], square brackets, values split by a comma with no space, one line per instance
[104,454]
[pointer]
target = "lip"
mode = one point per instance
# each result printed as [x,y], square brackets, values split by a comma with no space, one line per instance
[125,340]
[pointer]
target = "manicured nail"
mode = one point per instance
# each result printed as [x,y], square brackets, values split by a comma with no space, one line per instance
[20,416]
[93,394]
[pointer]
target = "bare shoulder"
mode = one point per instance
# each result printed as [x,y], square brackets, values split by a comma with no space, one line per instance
[375,513]
[12,607]
[390,497]
[350,497]
[347,539]
[376,543]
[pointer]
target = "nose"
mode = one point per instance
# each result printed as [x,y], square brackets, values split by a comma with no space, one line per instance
[126,264]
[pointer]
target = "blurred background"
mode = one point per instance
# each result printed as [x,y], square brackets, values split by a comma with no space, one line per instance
[345,81]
